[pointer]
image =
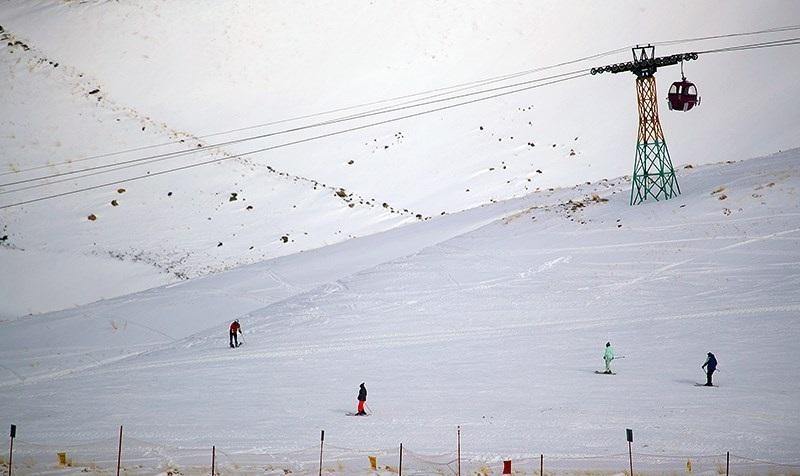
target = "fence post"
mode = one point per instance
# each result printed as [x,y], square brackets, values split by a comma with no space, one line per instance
[629,434]
[321,442]
[11,449]
[400,468]
[727,463]
[459,449]
[213,459]
[119,451]
[541,465]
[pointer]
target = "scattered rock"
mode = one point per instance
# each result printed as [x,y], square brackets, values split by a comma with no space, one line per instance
[481,127]
[169,194]
[538,171]
[249,207]
[120,190]
[219,244]
[341,193]
[285,239]
[92,217]
[597,198]
[234,196]
[688,166]
[722,197]
[3,238]
[350,162]
[571,152]
[94,91]
[114,203]
[385,205]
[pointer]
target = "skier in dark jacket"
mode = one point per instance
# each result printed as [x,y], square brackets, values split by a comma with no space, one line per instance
[362,399]
[710,366]
[235,329]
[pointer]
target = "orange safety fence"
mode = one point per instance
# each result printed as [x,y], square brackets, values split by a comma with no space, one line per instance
[141,457]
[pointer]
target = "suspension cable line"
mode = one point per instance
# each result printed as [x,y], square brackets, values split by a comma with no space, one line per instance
[171,155]
[299,141]
[442,91]
[527,86]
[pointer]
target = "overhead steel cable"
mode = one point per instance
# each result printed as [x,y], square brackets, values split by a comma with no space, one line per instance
[465,85]
[107,168]
[299,141]
[774,43]
[446,89]
[441,91]
[755,46]
[728,35]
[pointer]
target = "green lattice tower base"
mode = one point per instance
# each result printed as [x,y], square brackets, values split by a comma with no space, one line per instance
[653,174]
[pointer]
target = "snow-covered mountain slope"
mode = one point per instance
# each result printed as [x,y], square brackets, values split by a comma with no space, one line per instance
[82,79]
[493,319]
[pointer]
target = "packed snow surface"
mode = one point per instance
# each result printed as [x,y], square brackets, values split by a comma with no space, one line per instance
[447,260]
[493,319]
[81,80]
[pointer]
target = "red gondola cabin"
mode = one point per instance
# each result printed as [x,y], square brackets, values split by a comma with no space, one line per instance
[682,96]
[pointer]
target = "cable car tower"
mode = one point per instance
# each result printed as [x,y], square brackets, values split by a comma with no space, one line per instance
[653,174]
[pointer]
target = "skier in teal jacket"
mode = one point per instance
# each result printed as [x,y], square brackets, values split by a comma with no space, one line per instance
[608,356]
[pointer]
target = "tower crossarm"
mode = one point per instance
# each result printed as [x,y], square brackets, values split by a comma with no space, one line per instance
[646,66]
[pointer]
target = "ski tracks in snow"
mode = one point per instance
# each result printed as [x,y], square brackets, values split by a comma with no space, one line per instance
[395,340]
[668,267]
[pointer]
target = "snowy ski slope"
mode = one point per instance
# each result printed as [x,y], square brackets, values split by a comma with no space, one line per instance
[449,260]
[493,319]
[81,79]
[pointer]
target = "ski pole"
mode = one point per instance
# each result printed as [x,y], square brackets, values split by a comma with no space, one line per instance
[368,408]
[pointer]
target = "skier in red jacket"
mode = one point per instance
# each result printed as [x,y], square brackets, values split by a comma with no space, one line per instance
[235,329]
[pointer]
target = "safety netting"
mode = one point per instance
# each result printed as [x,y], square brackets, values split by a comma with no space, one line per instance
[139,457]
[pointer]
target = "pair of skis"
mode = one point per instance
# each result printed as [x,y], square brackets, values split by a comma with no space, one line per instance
[369,412]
